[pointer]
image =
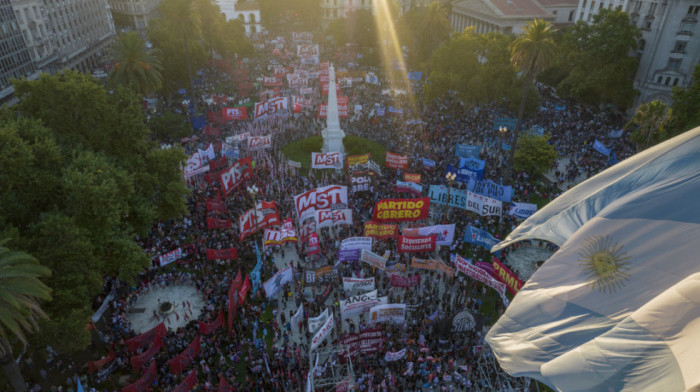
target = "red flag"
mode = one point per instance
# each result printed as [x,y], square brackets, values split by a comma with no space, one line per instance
[137,361]
[182,360]
[218,163]
[145,382]
[219,206]
[214,223]
[147,337]
[222,254]
[206,329]
[96,365]
[187,383]
[244,290]
[223,385]
[314,247]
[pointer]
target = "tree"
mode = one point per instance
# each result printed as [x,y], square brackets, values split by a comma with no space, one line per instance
[648,124]
[423,30]
[531,52]
[169,127]
[134,67]
[83,179]
[600,71]
[20,293]
[534,155]
[686,106]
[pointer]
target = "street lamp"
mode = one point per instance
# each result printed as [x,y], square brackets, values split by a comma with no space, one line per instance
[450,177]
[253,192]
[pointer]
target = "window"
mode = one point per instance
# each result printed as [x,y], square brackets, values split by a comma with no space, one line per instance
[687,27]
[647,24]
[592,5]
[674,64]
[637,6]
[571,16]
[693,10]
[659,79]
[680,46]
[668,80]
[584,4]
[652,8]
[675,82]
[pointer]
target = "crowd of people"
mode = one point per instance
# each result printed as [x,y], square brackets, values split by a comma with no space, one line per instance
[266,349]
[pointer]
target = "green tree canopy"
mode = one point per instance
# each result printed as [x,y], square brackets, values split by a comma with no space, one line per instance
[83,179]
[600,71]
[134,67]
[423,30]
[534,155]
[648,125]
[686,106]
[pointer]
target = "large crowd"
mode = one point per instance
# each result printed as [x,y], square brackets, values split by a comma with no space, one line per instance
[266,349]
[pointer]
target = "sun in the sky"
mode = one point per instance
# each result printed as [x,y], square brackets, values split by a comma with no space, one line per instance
[605,263]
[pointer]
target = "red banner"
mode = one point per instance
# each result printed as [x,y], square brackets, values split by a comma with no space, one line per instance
[396,161]
[237,113]
[352,160]
[182,360]
[211,131]
[416,244]
[147,337]
[314,247]
[146,381]
[93,366]
[222,254]
[505,275]
[232,177]
[412,177]
[380,230]
[206,329]
[216,206]
[188,383]
[137,361]
[401,210]
[264,215]
[223,385]
[400,281]
[214,223]
[244,290]
[369,341]
[218,163]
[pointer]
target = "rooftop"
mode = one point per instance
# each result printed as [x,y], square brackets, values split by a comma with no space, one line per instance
[519,7]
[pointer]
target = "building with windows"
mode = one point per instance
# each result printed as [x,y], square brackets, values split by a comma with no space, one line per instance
[506,16]
[334,9]
[33,20]
[247,12]
[135,13]
[669,48]
[15,59]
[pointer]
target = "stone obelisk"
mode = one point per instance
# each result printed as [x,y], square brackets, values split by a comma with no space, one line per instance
[332,135]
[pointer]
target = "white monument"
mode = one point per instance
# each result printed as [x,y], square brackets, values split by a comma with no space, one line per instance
[332,135]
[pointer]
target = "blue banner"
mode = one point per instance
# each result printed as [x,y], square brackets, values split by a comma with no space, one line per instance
[380,111]
[491,189]
[509,123]
[428,163]
[348,255]
[479,237]
[464,175]
[600,147]
[613,160]
[559,108]
[504,146]
[475,165]
[536,130]
[415,75]
[394,110]
[255,274]
[438,194]
[198,123]
[467,151]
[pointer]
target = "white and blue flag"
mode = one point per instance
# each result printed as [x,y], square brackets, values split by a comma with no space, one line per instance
[617,307]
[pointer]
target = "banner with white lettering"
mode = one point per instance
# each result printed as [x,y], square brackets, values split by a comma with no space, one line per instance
[416,244]
[234,176]
[409,187]
[316,322]
[396,161]
[326,218]
[332,197]
[394,356]
[364,243]
[360,182]
[466,267]
[402,281]
[394,313]
[445,234]
[522,210]
[373,259]
[170,257]
[483,205]
[326,160]
[259,142]
[357,304]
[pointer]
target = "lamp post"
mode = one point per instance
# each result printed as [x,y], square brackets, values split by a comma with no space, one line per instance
[502,133]
[450,177]
[253,192]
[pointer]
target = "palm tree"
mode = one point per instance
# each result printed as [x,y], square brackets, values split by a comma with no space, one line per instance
[20,292]
[531,52]
[134,66]
[184,21]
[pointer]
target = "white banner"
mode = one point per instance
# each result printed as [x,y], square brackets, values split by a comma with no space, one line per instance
[522,210]
[208,154]
[359,284]
[357,304]
[409,187]
[373,259]
[195,166]
[445,234]
[307,51]
[332,197]
[394,356]
[316,322]
[322,333]
[357,243]
[326,218]
[275,283]
[326,160]
[170,257]
[259,142]
[394,313]
[483,205]
[298,315]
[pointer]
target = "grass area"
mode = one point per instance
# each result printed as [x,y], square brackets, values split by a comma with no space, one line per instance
[300,150]
[539,200]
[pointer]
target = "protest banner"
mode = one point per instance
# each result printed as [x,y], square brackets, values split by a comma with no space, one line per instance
[259,142]
[275,283]
[483,205]
[380,230]
[409,187]
[357,304]
[401,210]
[522,210]
[180,362]
[466,151]
[505,275]
[396,161]
[222,254]
[322,333]
[412,177]
[170,257]
[373,259]
[491,189]
[394,313]
[348,255]
[316,322]
[234,176]
[465,266]
[358,284]
[444,233]
[416,244]
[326,160]
[401,281]
[360,182]
[426,264]
[364,243]
[235,113]
[314,247]
[394,356]
[353,160]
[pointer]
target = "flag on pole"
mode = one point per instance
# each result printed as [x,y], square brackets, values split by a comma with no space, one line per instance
[616,308]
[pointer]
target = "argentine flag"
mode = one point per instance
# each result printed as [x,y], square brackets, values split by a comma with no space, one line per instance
[617,308]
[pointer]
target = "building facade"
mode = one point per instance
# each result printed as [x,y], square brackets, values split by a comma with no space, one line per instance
[15,59]
[505,16]
[248,13]
[33,19]
[136,13]
[83,30]
[669,48]
[334,9]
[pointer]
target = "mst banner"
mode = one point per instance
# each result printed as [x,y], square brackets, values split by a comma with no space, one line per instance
[416,244]
[326,160]
[401,210]
[380,230]
[334,197]
[259,142]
